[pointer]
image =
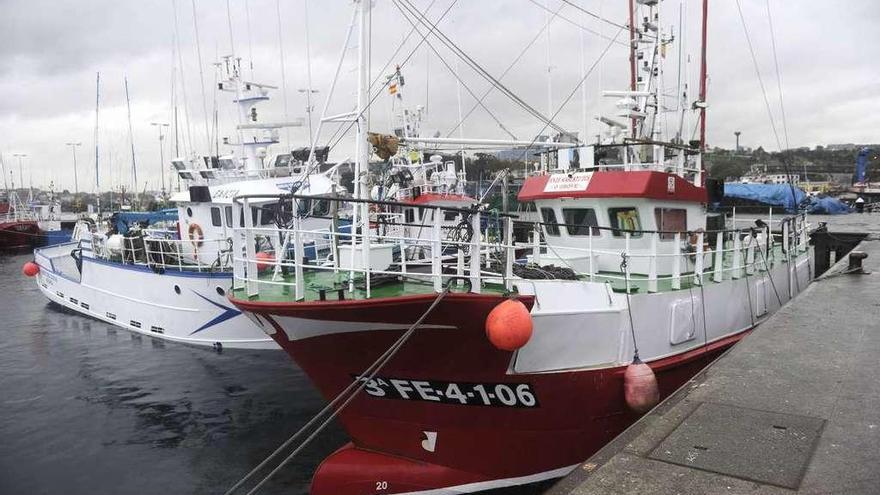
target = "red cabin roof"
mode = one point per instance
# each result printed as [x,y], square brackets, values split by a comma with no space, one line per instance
[647,184]
[433,198]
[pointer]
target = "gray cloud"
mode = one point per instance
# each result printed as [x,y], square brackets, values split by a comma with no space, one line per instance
[51,50]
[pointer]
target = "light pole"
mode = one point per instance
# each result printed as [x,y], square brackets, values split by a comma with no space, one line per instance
[309,107]
[160,125]
[75,178]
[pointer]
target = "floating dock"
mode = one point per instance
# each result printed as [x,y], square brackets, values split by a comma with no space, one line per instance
[794,407]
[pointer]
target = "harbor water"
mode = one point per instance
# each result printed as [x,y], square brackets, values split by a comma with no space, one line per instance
[86,408]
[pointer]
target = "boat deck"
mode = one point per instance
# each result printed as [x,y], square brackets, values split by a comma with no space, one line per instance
[794,408]
[282,288]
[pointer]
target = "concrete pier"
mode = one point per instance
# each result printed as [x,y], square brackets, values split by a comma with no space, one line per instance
[795,407]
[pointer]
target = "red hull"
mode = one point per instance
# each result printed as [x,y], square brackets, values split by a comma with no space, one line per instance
[575,413]
[19,234]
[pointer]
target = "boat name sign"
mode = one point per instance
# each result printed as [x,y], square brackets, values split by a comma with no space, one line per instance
[568,182]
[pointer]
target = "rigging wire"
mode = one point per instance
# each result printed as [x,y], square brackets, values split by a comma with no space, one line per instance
[572,93]
[187,143]
[596,16]
[452,46]
[576,24]
[247,17]
[778,77]
[340,132]
[466,87]
[767,103]
[509,67]
[201,74]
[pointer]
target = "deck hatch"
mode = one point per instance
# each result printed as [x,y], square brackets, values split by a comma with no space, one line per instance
[760,446]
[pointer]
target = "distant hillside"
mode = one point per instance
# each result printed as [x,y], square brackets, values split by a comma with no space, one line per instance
[818,162]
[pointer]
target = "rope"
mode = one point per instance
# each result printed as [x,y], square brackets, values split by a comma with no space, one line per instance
[351,390]
[769,275]
[632,327]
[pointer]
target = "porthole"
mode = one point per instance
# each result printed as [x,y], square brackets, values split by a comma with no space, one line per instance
[177,289]
[189,211]
[220,291]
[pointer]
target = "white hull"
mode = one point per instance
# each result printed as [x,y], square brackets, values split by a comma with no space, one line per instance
[185,307]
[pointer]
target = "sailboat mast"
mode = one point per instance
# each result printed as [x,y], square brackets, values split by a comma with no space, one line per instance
[134,176]
[97,111]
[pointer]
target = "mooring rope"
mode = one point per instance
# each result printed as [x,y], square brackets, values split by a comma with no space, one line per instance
[351,390]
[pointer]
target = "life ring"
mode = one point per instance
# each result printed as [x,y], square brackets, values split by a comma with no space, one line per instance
[196,235]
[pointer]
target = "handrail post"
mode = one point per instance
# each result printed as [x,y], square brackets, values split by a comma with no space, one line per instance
[590,242]
[475,252]
[299,254]
[737,255]
[436,251]
[627,259]
[365,247]
[253,288]
[750,254]
[719,257]
[510,253]
[698,261]
[652,264]
[238,267]
[536,245]
[785,243]
[676,262]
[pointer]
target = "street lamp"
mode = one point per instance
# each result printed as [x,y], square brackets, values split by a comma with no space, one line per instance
[309,107]
[75,179]
[160,125]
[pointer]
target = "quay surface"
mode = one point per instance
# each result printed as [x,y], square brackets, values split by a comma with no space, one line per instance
[793,408]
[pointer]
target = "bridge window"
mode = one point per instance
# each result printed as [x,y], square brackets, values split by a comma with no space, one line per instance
[216,218]
[409,215]
[229,216]
[551,226]
[670,220]
[625,219]
[578,221]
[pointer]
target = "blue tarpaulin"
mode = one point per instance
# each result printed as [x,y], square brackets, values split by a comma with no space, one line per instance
[780,195]
[826,205]
[768,194]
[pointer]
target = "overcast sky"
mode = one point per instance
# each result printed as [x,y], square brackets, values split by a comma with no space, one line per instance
[52,49]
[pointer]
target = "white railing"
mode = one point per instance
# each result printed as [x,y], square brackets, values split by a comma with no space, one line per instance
[470,251]
[209,255]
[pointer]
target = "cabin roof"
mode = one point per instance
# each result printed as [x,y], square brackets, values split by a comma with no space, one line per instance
[646,184]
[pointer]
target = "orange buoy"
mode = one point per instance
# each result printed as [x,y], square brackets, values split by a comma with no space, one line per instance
[509,325]
[30,269]
[264,261]
[640,387]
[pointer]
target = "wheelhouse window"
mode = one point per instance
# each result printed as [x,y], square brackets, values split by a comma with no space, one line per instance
[229,216]
[623,219]
[551,226]
[449,215]
[409,216]
[670,220]
[216,217]
[580,221]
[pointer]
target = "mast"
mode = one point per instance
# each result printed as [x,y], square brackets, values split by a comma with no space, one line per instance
[703,78]
[97,110]
[134,176]
[632,60]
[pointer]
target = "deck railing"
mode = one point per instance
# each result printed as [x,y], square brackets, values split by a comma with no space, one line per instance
[209,255]
[480,248]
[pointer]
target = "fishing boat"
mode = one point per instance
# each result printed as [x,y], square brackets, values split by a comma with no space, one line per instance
[171,283]
[494,364]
